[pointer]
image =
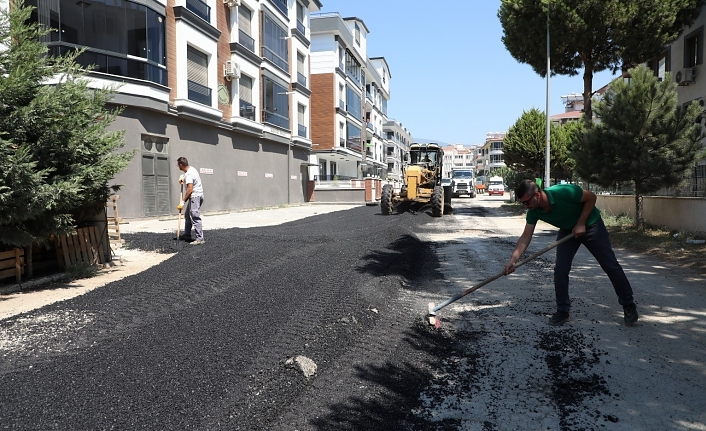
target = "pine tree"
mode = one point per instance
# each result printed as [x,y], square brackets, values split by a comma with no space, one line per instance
[56,153]
[643,137]
[524,146]
[595,35]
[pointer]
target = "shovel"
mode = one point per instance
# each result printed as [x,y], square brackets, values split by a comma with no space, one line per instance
[433,309]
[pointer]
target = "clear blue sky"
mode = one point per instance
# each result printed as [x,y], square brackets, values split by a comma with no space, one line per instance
[452,78]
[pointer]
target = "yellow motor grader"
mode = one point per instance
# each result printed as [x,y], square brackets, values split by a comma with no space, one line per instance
[422,181]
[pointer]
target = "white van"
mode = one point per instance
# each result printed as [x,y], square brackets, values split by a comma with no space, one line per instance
[496,186]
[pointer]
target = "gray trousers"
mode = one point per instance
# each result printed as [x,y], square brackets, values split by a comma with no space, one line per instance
[193,217]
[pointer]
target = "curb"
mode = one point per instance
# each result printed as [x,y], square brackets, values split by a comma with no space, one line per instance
[6,290]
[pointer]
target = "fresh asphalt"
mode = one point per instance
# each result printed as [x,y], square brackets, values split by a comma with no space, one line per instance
[201,341]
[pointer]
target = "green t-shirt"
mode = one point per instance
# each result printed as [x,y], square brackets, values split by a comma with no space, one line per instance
[565,200]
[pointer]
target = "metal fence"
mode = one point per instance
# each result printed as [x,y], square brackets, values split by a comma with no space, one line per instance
[693,185]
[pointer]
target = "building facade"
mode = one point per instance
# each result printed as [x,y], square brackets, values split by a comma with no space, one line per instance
[398,141]
[350,92]
[458,156]
[223,83]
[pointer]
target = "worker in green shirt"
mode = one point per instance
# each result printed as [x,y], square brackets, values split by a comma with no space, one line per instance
[573,210]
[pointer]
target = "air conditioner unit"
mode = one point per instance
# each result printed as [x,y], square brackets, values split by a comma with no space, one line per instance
[231,3]
[231,70]
[686,76]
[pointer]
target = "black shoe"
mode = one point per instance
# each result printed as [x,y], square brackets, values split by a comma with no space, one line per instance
[630,314]
[559,318]
[184,237]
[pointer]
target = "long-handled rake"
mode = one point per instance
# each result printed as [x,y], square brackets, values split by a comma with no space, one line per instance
[181,199]
[433,320]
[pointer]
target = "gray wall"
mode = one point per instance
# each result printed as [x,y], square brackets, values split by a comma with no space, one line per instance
[225,152]
[688,214]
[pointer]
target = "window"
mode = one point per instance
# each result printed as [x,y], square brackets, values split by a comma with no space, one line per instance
[341,58]
[245,28]
[300,18]
[301,120]
[301,69]
[110,31]
[197,76]
[342,134]
[276,103]
[341,97]
[353,99]
[247,109]
[352,67]
[357,34]
[693,48]
[275,44]
[660,65]
[353,137]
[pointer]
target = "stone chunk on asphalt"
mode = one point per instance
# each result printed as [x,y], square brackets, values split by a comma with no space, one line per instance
[303,364]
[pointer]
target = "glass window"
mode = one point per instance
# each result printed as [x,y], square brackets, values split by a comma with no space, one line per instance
[275,45]
[353,102]
[276,103]
[353,137]
[111,30]
[136,18]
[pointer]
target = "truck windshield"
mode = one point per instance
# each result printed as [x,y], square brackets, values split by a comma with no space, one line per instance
[462,174]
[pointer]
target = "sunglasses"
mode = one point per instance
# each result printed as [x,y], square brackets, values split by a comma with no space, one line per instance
[526,202]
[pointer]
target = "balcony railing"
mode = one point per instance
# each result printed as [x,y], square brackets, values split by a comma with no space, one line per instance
[276,59]
[300,27]
[199,93]
[302,131]
[247,41]
[200,8]
[276,119]
[281,5]
[247,110]
[342,104]
[301,79]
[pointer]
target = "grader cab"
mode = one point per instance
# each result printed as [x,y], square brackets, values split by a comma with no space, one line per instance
[422,181]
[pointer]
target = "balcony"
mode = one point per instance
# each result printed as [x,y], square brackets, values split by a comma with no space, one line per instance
[247,110]
[281,5]
[302,131]
[276,59]
[276,119]
[199,93]
[342,105]
[300,27]
[200,8]
[247,41]
[301,79]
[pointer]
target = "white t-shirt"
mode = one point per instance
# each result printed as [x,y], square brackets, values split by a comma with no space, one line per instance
[192,177]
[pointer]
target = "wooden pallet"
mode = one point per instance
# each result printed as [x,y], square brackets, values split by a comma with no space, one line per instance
[84,245]
[114,223]
[12,263]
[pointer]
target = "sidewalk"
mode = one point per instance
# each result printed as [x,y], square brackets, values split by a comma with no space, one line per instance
[240,219]
[20,298]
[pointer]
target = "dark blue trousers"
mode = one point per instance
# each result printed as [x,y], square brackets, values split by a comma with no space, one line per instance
[597,242]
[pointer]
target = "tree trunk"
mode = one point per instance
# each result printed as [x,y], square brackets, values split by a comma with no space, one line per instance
[587,91]
[639,221]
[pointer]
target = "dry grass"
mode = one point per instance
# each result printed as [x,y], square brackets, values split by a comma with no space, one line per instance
[670,246]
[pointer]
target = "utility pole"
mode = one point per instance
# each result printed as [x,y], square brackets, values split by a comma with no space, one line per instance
[548,153]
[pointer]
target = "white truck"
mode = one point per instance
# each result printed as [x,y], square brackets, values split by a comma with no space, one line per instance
[496,186]
[463,182]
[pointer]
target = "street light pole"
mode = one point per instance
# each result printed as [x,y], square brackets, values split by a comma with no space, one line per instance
[548,153]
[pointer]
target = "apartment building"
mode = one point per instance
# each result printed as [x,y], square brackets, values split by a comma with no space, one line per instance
[458,156]
[398,141]
[224,83]
[491,153]
[349,99]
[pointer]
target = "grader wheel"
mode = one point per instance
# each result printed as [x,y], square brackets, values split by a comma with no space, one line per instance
[386,199]
[437,201]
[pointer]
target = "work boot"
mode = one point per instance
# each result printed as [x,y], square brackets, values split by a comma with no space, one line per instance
[184,237]
[630,314]
[559,318]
